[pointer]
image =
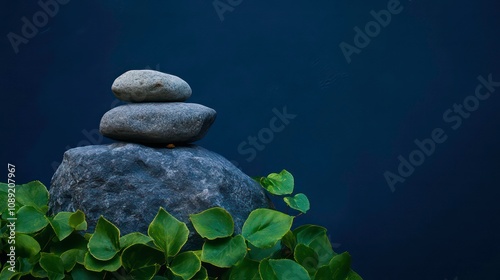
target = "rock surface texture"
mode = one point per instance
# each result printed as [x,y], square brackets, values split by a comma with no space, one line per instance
[150,86]
[128,183]
[158,122]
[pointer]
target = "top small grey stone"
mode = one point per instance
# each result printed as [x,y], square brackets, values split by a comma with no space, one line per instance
[150,86]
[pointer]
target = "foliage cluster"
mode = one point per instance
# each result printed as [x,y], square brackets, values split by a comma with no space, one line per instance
[58,247]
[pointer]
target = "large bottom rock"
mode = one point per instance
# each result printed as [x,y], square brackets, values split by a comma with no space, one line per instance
[127,183]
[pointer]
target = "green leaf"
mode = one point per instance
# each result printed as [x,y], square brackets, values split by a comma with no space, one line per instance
[337,269]
[139,255]
[168,233]
[134,238]
[38,271]
[264,227]
[306,257]
[30,220]
[213,223]
[340,266]
[185,265]
[73,241]
[298,202]
[53,265]
[8,275]
[283,269]
[25,265]
[26,246]
[77,221]
[144,273]
[289,240]
[323,273]
[33,194]
[245,270]
[105,242]
[258,254]
[202,274]
[71,257]
[315,237]
[224,252]
[60,224]
[278,183]
[96,265]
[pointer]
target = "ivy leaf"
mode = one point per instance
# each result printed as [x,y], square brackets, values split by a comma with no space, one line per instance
[30,220]
[61,226]
[168,233]
[213,223]
[298,202]
[105,242]
[134,238]
[77,221]
[53,265]
[306,257]
[139,255]
[282,269]
[185,265]
[264,227]
[224,252]
[278,183]
[96,265]
[33,194]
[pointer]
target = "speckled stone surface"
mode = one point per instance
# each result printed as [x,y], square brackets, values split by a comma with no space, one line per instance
[127,184]
[150,86]
[150,123]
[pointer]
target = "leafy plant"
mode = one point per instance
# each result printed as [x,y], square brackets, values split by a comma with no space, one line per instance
[57,247]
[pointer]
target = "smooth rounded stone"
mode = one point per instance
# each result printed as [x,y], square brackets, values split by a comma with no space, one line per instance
[150,86]
[127,183]
[160,123]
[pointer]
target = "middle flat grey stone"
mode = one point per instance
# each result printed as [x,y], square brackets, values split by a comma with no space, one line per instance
[151,123]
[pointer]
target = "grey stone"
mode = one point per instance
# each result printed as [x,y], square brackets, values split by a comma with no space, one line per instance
[161,123]
[150,86]
[127,183]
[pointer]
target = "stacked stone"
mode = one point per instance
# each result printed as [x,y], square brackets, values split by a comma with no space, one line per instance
[156,113]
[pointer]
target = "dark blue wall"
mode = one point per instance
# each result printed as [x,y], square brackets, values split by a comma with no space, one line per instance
[352,120]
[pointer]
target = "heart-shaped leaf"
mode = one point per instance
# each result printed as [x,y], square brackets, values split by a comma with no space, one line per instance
[278,183]
[315,237]
[224,252]
[134,238]
[283,269]
[246,269]
[77,221]
[60,224]
[139,255]
[53,265]
[306,257]
[105,242]
[33,194]
[213,223]
[185,265]
[298,202]
[264,227]
[96,265]
[168,233]
[30,220]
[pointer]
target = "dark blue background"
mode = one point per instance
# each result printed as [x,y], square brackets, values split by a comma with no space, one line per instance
[353,120]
